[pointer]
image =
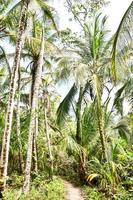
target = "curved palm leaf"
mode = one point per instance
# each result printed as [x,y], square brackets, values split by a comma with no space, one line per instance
[118,101]
[64,106]
[123,36]
[123,130]
[89,128]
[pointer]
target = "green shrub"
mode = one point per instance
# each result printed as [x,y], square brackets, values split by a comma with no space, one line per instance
[53,190]
[92,194]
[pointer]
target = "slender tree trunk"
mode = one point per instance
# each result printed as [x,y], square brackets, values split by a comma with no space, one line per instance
[26,184]
[21,161]
[10,106]
[100,117]
[46,108]
[81,158]
[78,116]
[81,167]
[36,122]
[35,134]
[34,154]
[102,134]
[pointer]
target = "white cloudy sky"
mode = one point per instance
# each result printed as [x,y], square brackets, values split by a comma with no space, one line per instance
[114,10]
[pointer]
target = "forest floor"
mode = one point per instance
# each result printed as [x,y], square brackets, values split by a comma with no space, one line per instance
[73,192]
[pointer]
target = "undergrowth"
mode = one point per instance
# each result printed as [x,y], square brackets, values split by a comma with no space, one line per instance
[93,193]
[41,189]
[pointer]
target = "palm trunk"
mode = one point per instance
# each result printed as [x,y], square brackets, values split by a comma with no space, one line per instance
[102,134]
[10,106]
[21,161]
[100,117]
[35,133]
[46,103]
[34,154]
[81,167]
[26,185]
[78,116]
[34,158]
[36,123]
[81,158]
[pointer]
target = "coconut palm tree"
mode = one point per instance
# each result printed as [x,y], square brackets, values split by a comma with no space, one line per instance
[32,51]
[31,48]
[9,113]
[93,53]
[38,70]
[19,44]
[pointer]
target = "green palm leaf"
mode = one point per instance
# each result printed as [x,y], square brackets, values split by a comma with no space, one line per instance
[47,12]
[118,101]
[4,59]
[64,106]
[123,35]
[123,130]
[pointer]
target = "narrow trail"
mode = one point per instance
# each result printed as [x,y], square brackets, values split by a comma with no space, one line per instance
[73,192]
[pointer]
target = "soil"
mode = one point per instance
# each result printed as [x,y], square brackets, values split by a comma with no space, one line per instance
[73,192]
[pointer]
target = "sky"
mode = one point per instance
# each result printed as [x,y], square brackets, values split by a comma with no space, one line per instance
[114,10]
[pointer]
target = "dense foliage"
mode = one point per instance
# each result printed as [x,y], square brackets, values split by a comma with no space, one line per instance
[84,136]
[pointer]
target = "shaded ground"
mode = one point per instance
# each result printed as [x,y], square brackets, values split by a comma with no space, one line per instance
[73,192]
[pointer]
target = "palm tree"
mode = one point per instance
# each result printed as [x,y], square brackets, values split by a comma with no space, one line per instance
[38,70]
[32,52]
[93,53]
[9,113]
[19,45]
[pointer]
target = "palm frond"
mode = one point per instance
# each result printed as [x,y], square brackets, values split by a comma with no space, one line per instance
[64,106]
[4,5]
[32,45]
[123,130]
[122,36]
[118,101]
[4,59]
[88,88]
[47,12]
[89,128]
[72,146]
[11,15]
[65,65]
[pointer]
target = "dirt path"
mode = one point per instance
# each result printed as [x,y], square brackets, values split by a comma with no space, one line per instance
[73,192]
